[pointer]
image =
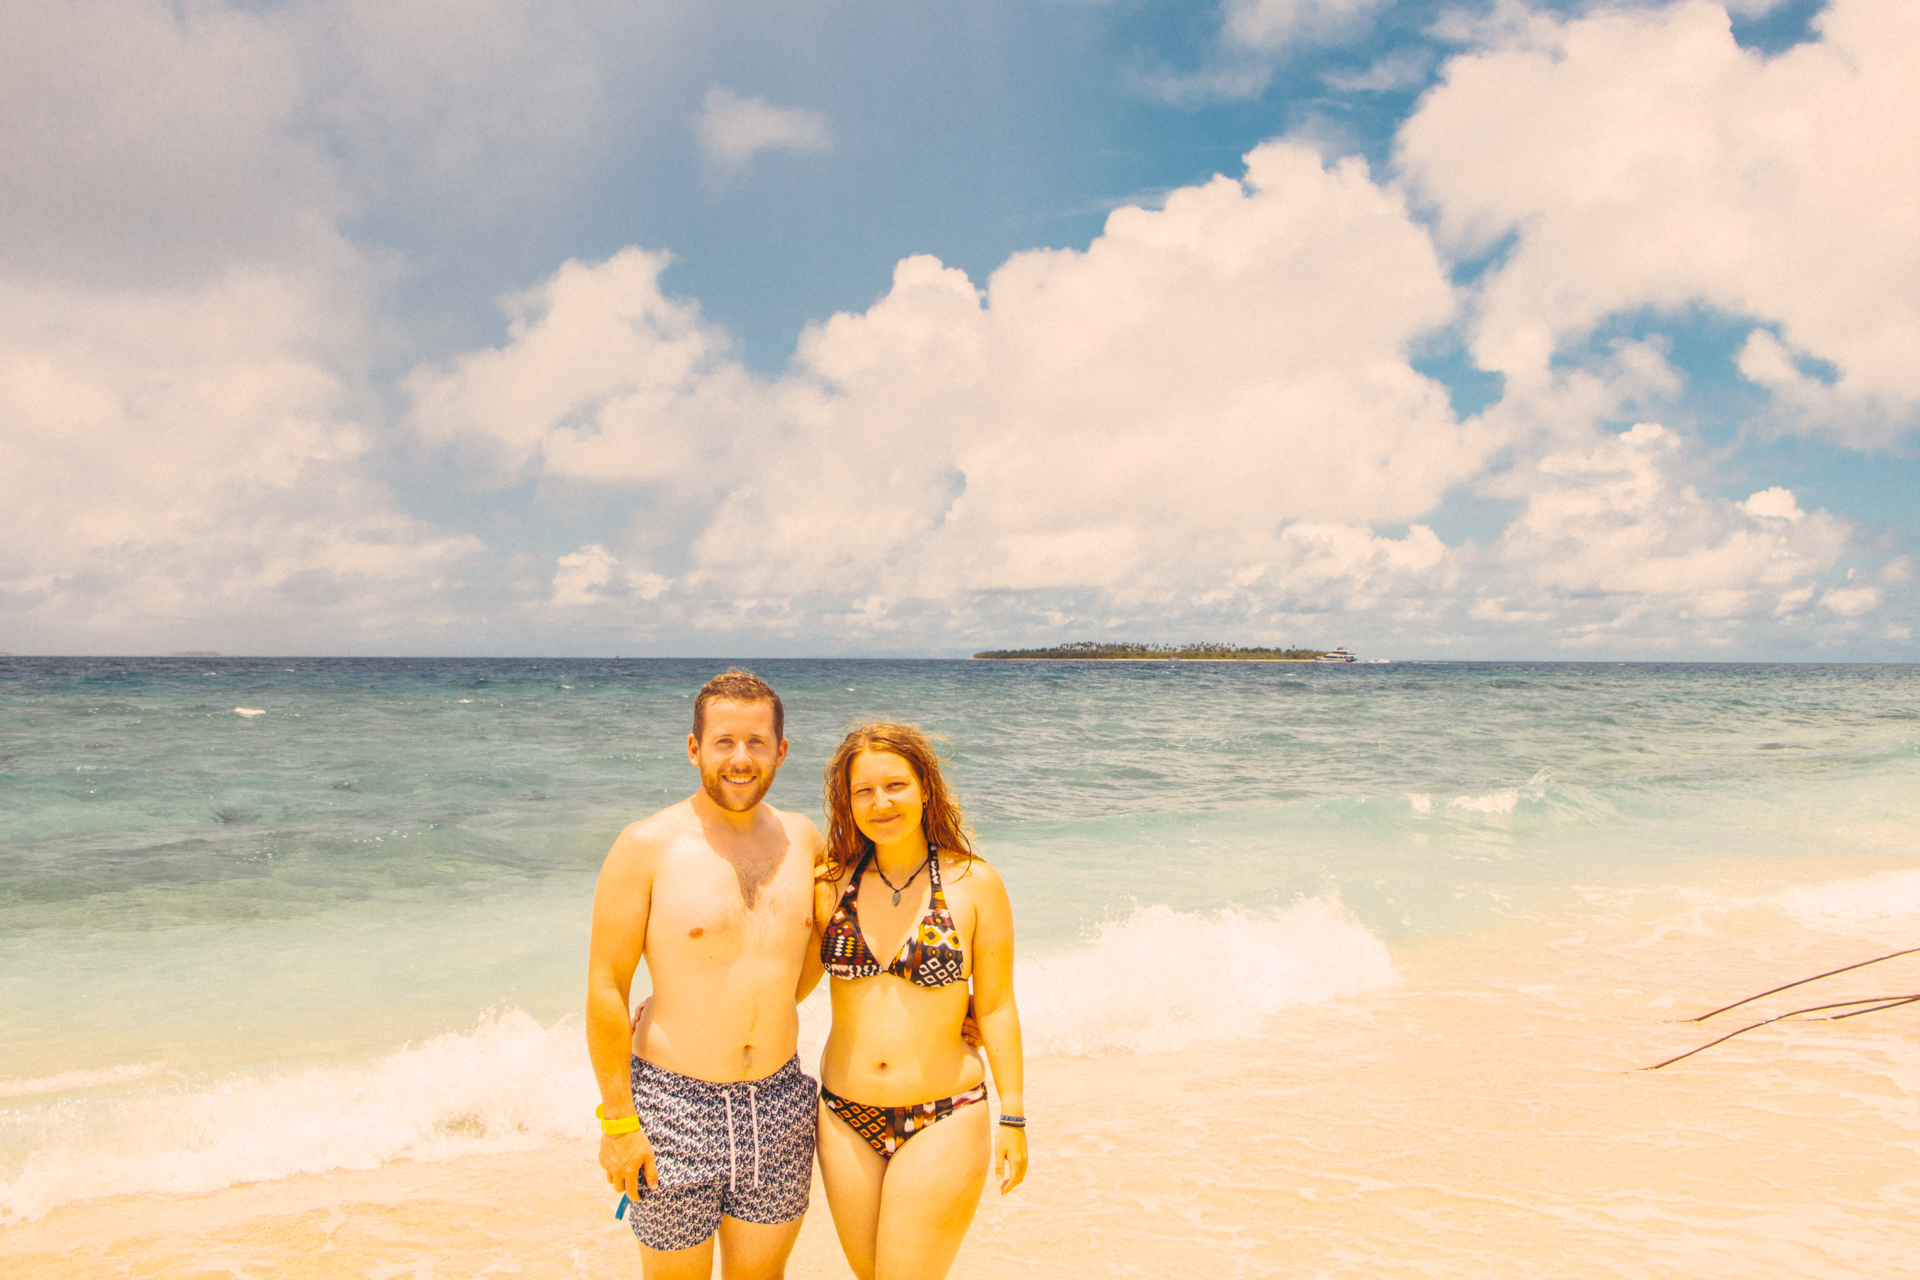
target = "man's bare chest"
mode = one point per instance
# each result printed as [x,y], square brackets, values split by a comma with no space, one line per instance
[712,907]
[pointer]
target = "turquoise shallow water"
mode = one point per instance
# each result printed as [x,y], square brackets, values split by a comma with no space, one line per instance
[216,874]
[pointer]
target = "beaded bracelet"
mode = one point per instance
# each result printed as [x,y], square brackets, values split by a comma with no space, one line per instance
[617,1126]
[1014,1122]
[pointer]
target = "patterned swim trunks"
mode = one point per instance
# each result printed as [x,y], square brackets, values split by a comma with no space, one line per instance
[744,1150]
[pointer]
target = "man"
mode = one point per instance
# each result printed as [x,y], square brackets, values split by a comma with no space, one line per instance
[709,1119]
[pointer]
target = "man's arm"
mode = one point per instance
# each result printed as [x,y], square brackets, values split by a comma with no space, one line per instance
[998,1016]
[622,902]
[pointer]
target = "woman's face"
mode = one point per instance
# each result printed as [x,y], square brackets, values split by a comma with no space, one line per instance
[887,801]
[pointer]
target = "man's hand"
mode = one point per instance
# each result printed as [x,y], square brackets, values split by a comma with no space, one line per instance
[1009,1156]
[628,1161]
[970,1029]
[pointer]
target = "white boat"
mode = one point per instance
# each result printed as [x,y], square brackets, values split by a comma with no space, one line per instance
[1336,655]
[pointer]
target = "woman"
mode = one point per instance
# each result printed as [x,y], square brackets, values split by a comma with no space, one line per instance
[907,913]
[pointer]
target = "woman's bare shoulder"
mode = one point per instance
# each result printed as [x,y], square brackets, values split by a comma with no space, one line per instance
[957,866]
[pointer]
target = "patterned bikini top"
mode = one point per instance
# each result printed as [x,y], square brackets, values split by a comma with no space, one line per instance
[930,957]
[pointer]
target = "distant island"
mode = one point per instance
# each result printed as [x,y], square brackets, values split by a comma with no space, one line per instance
[1094,651]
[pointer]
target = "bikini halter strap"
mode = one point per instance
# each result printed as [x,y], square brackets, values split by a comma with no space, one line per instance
[860,869]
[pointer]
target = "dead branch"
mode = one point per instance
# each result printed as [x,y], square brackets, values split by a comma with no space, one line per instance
[1879,1003]
[1803,982]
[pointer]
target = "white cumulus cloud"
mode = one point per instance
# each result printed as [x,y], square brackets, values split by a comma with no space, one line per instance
[1775,503]
[593,574]
[1642,160]
[732,129]
[1272,24]
[1210,419]
[183,468]
[188,438]
[1204,419]
[1615,540]
[1851,602]
[1214,400]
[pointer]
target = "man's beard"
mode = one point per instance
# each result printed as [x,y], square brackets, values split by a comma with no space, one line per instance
[718,791]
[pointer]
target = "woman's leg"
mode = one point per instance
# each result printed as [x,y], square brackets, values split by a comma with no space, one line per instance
[852,1171]
[927,1198]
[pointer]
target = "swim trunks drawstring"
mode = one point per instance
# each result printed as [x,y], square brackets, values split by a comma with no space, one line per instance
[753,1110]
[733,1177]
[753,1123]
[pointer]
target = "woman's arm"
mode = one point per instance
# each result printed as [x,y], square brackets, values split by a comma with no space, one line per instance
[810,967]
[999,1017]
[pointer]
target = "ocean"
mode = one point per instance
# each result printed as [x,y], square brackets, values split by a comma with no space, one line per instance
[1365,956]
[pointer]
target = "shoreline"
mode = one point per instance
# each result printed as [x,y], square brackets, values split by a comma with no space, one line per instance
[1488,1117]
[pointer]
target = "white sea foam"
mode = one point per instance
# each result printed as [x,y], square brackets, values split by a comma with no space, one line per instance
[1163,979]
[75,1081]
[1500,802]
[249,712]
[1154,982]
[1890,895]
[509,1083]
[1495,803]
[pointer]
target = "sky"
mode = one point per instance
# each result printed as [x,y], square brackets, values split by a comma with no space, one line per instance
[1489,329]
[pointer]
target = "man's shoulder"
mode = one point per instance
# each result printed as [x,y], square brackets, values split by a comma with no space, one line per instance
[801,831]
[793,820]
[652,835]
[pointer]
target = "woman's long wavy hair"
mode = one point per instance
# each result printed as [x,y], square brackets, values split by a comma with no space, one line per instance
[945,825]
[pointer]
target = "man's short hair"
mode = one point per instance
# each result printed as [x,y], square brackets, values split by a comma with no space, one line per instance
[737,686]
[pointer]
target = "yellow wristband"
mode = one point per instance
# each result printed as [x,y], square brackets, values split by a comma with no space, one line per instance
[616,1127]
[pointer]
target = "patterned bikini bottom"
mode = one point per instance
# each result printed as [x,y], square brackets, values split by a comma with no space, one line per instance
[887,1129]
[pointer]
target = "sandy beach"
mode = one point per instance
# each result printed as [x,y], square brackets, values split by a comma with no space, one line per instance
[1484,1118]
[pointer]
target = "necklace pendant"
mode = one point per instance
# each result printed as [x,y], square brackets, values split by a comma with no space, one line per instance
[896,897]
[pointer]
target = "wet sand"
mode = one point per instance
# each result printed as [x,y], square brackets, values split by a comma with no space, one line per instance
[1484,1119]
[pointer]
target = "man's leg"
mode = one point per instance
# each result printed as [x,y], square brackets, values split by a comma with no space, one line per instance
[762,1209]
[676,1228]
[755,1251]
[678,1264]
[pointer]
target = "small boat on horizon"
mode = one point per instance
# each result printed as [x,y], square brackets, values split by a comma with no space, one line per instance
[1336,655]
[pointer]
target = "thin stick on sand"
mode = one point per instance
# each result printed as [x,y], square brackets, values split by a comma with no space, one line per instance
[1878,1003]
[1891,1004]
[1801,983]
